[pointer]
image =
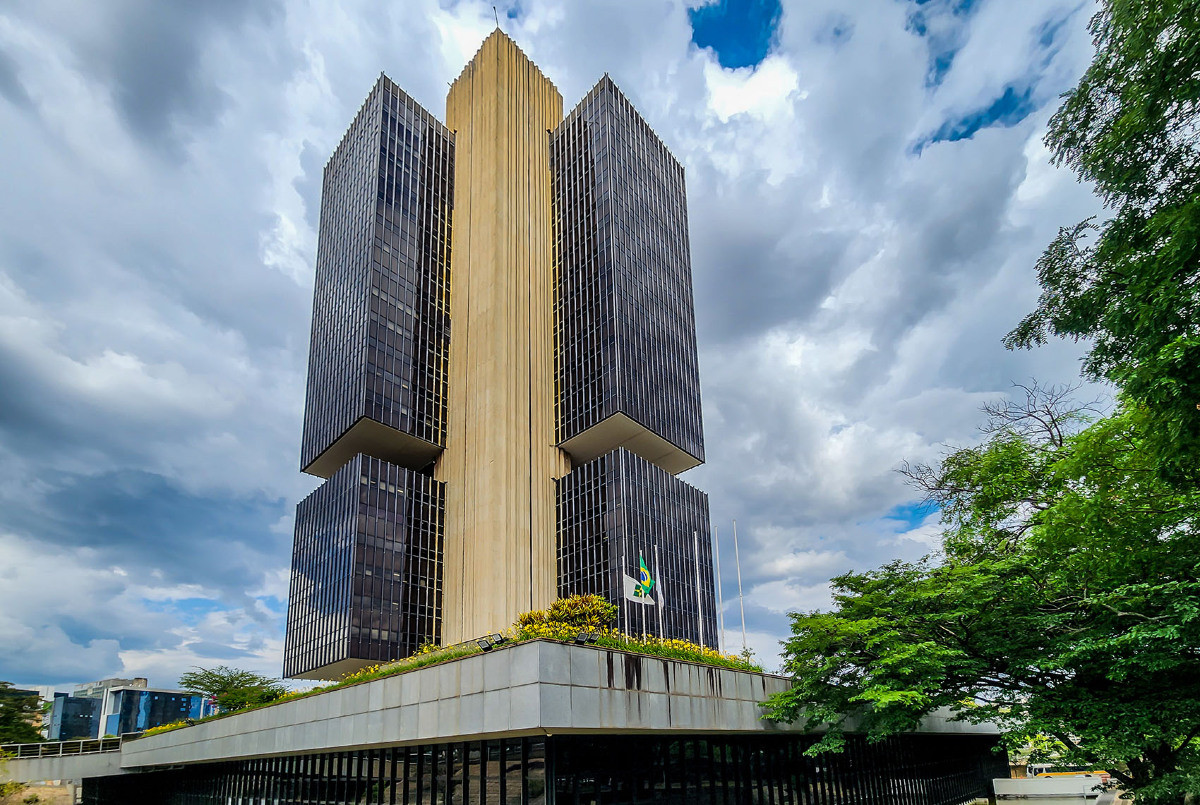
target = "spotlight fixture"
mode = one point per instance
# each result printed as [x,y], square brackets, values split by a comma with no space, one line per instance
[484,643]
[592,637]
[581,638]
[497,639]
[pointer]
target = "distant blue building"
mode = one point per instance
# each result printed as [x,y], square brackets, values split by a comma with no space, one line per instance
[118,706]
[137,709]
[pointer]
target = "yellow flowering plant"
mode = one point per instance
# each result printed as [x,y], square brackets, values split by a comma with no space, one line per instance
[562,622]
[567,617]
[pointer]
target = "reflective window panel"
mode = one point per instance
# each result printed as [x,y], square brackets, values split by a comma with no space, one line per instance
[381,324]
[620,508]
[626,330]
[366,580]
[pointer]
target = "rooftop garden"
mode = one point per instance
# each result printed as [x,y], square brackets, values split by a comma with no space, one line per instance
[581,620]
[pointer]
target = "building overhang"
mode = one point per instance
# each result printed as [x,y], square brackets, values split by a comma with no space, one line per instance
[335,670]
[620,430]
[377,440]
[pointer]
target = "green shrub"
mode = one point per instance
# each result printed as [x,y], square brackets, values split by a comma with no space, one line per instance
[534,617]
[576,611]
[584,612]
[567,617]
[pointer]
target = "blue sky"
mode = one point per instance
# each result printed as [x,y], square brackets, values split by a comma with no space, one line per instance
[740,32]
[867,190]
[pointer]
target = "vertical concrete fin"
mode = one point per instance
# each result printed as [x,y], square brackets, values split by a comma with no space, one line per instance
[500,460]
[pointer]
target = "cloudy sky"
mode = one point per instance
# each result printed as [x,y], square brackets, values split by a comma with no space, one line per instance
[868,194]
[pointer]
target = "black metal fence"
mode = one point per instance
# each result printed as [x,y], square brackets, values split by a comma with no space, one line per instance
[589,770]
[86,746]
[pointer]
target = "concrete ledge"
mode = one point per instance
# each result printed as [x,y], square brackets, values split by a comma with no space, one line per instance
[532,688]
[536,688]
[373,439]
[1058,787]
[72,768]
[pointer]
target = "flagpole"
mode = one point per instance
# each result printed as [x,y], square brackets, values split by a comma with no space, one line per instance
[699,603]
[642,607]
[741,603]
[624,599]
[661,603]
[720,596]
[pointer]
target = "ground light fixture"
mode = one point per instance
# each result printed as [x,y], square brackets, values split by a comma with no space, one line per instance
[489,642]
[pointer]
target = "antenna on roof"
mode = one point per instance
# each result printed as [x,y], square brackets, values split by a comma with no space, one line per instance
[497,15]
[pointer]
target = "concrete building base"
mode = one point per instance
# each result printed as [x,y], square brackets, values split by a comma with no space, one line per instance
[556,716]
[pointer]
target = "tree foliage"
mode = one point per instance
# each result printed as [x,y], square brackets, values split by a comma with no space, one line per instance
[1131,285]
[232,688]
[17,714]
[1065,602]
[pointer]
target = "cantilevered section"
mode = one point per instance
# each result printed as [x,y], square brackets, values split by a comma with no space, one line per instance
[626,330]
[380,327]
[619,431]
[374,439]
[529,689]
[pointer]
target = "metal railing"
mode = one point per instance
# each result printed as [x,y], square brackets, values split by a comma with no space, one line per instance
[65,748]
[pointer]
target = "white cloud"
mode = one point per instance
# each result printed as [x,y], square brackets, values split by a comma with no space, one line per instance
[157,237]
[785,596]
[763,92]
[144,627]
[806,563]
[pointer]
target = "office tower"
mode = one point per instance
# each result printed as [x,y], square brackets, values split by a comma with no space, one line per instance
[503,391]
[503,382]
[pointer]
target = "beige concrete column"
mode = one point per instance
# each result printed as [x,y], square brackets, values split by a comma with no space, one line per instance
[500,460]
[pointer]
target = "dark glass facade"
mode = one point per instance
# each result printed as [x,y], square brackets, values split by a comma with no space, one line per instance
[381,327]
[366,569]
[626,340]
[73,717]
[620,507]
[590,770]
[366,587]
[137,710]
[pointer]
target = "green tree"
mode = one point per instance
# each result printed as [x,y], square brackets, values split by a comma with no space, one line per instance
[1131,285]
[17,714]
[1065,602]
[232,688]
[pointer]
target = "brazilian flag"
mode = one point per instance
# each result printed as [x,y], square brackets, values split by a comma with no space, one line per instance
[645,583]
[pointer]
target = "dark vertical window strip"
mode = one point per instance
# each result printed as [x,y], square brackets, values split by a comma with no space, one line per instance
[932,770]
[396,516]
[620,498]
